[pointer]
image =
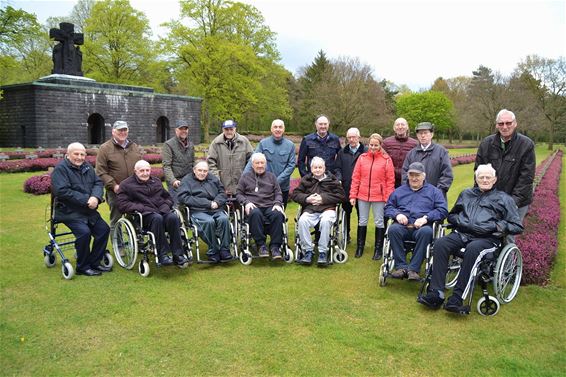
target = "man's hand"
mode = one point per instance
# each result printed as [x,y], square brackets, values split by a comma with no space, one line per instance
[420,222]
[278,208]
[249,207]
[402,219]
[92,202]
[314,199]
[213,205]
[176,183]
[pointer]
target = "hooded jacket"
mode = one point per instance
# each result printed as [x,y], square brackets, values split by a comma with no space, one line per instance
[373,179]
[329,188]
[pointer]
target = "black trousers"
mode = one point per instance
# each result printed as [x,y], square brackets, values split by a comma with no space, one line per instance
[158,224]
[265,221]
[83,230]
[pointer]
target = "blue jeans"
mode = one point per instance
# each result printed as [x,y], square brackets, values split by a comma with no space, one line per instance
[83,230]
[214,229]
[398,233]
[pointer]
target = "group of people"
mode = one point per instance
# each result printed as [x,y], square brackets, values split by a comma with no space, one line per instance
[398,178]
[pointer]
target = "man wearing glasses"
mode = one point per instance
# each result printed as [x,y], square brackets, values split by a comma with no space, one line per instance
[513,156]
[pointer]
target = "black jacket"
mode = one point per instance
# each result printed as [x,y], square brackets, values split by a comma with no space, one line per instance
[436,161]
[72,186]
[488,214]
[144,197]
[345,162]
[198,195]
[329,188]
[312,146]
[515,166]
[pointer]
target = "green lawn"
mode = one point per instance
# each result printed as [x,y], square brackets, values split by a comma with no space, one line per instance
[264,319]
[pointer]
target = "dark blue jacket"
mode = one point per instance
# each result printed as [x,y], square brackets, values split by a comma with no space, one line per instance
[72,186]
[428,200]
[198,195]
[313,146]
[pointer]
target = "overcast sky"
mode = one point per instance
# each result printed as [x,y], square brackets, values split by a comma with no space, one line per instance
[406,42]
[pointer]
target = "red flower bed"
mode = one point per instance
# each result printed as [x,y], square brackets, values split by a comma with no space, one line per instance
[538,243]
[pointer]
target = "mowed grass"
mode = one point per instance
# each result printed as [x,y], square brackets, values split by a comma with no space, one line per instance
[263,319]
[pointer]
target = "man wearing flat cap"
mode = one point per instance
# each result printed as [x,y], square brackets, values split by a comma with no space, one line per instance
[178,156]
[433,156]
[115,162]
[228,155]
[414,207]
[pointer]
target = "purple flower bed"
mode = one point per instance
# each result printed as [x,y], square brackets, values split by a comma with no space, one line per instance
[538,243]
[462,160]
[38,185]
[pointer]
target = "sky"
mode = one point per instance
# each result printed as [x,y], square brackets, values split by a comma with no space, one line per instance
[405,42]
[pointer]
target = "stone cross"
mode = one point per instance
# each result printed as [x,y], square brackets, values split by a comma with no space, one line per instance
[67,59]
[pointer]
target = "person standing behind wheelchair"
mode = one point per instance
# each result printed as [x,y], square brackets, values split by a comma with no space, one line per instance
[204,194]
[318,193]
[481,216]
[178,155]
[414,207]
[345,162]
[373,180]
[260,194]
[145,194]
[78,192]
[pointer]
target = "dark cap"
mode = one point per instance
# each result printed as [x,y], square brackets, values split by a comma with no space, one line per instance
[229,124]
[120,125]
[425,126]
[416,167]
[182,123]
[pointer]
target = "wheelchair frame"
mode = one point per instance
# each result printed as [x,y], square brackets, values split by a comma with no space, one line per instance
[67,242]
[337,238]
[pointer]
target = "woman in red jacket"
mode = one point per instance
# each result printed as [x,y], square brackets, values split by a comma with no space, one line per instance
[373,180]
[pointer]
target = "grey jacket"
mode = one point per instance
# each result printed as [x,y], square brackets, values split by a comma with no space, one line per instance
[177,159]
[268,190]
[436,161]
[228,164]
[199,195]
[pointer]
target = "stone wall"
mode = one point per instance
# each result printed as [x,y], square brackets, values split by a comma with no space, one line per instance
[54,112]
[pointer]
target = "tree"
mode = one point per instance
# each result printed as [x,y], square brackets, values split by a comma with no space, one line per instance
[431,106]
[119,48]
[487,94]
[546,80]
[225,54]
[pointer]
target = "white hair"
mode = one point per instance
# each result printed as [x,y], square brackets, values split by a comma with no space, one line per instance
[75,146]
[400,120]
[318,160]
[353,130]
[485,168]
[505,111]
[257,155]
[277,122]
[141,164]
[200,162]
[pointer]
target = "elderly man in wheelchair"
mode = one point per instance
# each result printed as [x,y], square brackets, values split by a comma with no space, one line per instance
[204,195]
[481,218]
[260,194]
[414,207]
[318,193]
[145,194]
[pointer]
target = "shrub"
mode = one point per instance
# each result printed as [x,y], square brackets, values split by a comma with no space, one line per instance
[538,243]
[38,185]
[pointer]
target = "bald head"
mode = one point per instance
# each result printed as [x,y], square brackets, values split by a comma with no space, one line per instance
[76,154]
[142,170]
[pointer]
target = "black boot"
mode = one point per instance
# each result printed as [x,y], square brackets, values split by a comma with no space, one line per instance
[378,250]
[362,231]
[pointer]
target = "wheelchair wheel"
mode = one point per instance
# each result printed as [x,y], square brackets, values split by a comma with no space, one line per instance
[340,256]
[508,272]
[49,259]
[341,236]
[143,268]
[67,270]
[453,271]
[288,257]
[125,243]
[488,306]
[246,258]
[107,260]
[383,275]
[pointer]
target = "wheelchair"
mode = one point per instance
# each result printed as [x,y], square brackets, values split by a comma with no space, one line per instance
[244,239]
[337,238]
[190,234]
[61,240]
[502,266]
[388,264]
[130,239]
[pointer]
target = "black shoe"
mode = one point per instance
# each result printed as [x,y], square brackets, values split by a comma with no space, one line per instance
[89,272]
[180,260]
[322,259]
[213,258]
[455,304]
[226,256]
[165,260]
[102,268]
[431,299]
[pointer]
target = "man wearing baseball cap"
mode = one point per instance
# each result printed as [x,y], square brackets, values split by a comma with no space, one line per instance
[115,162]
[178,156]
[433,156]
[414,207]
[228,155]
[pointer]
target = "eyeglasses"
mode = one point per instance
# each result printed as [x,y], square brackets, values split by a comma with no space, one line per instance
[508,124]
[485,178]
